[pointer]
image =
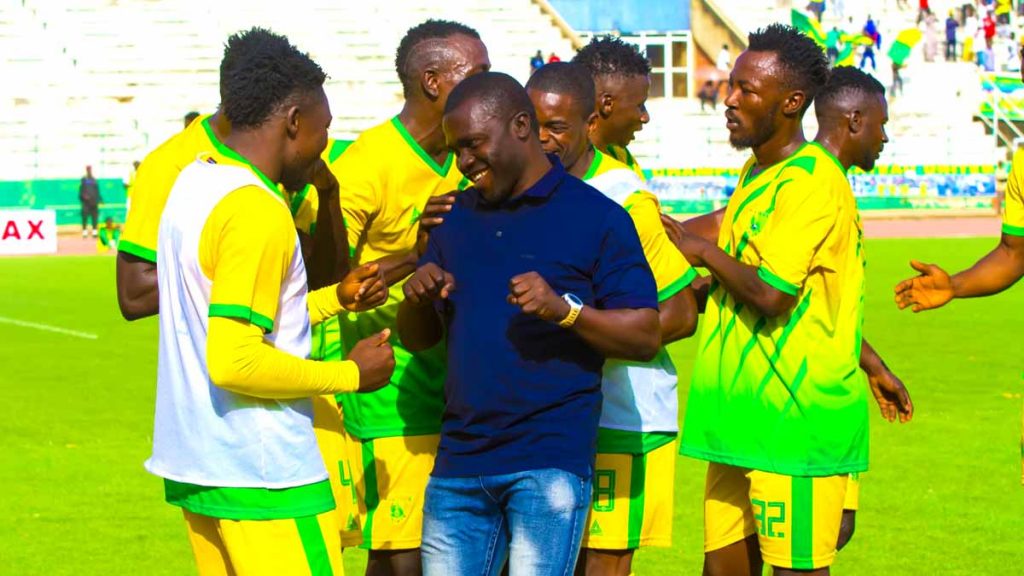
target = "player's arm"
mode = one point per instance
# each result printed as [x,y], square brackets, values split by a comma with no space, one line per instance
[246,249]
[706,226]
[138,295]
[137,290]
[419,322]
[360,290]
[743,281]
[677,316]
[997,271]
[890,393]
[329,257]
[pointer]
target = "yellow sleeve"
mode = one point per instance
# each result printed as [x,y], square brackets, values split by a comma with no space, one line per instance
[240,360]
[804,215]
[323,304]
[150,189]
[246,248]
[358,192]
[671,271]
[1013,206]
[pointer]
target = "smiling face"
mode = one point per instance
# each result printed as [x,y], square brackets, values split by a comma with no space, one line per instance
[489,149]
[754,100]
[871,140]
[564,125]
[622,102]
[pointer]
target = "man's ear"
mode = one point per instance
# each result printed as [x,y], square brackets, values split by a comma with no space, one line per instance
[292,120]
[605,104]
[430,83]
[592,122]
[794,102]
[521,125]
[856,121]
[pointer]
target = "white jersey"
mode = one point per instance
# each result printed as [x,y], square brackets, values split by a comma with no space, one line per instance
[203,434]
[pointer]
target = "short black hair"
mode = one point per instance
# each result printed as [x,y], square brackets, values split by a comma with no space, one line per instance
[261,71]
[566,78]
[405,61]
[847,80]
[190,117]
[501,94]
[805,63]
[610,56]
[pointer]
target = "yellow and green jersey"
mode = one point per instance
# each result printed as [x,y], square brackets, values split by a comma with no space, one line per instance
[385,181]
[622,154]
[786,394]
[1013,206]
[640,408]
[154,179]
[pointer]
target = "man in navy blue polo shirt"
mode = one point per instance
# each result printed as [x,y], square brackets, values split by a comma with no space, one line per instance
[534,279]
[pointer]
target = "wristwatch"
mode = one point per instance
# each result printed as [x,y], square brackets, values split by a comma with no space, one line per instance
[575,305]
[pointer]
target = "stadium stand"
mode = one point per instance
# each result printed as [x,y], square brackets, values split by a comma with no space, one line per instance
[86,87]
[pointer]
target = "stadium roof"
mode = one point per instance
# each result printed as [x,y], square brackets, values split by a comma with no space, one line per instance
[625,15]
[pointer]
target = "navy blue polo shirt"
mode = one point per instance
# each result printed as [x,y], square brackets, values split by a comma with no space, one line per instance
[521,393]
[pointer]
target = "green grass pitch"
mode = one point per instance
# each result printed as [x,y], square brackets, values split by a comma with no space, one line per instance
[943,495]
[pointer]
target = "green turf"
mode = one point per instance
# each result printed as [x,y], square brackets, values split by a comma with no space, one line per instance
[943,495]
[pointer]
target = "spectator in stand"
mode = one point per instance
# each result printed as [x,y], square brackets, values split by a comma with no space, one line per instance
[1003,9]
[871,31]
[816,7]
[839,8]
[970,30]
[536,62]
[922,10]
[897,81]
[833,40]
[708,94]
[951,26]
[989,26]
[931,36]
[553,58]
[190,117]
[89,196]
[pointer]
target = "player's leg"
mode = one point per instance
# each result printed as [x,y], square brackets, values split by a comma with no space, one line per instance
[464,530]
[394,477]
[632,508]
[798,520]
[730,531]
[304,545]
[327,425]
[207,547]
[850,505]
[546,511]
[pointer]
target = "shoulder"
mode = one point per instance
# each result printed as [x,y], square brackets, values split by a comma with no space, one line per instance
[590,206]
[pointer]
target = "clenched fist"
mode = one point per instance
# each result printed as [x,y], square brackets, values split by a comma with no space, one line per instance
[375,359]
[532,294]
[427,284]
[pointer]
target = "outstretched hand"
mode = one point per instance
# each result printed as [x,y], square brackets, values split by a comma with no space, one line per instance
[931,289]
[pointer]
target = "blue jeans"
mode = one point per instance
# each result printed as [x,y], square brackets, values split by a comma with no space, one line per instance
[534,518]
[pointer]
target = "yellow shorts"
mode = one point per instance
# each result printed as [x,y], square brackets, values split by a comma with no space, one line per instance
[391,477]
[632,500]
[336,452]
[796,518]
[306,546]
[852,499]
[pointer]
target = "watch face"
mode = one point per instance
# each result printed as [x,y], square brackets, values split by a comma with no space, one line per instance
[573,299]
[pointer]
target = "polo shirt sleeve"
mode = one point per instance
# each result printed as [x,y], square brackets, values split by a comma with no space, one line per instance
[804,216]
[245,249]
[622,278]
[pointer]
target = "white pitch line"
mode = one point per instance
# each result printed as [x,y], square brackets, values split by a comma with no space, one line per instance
[48,328]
